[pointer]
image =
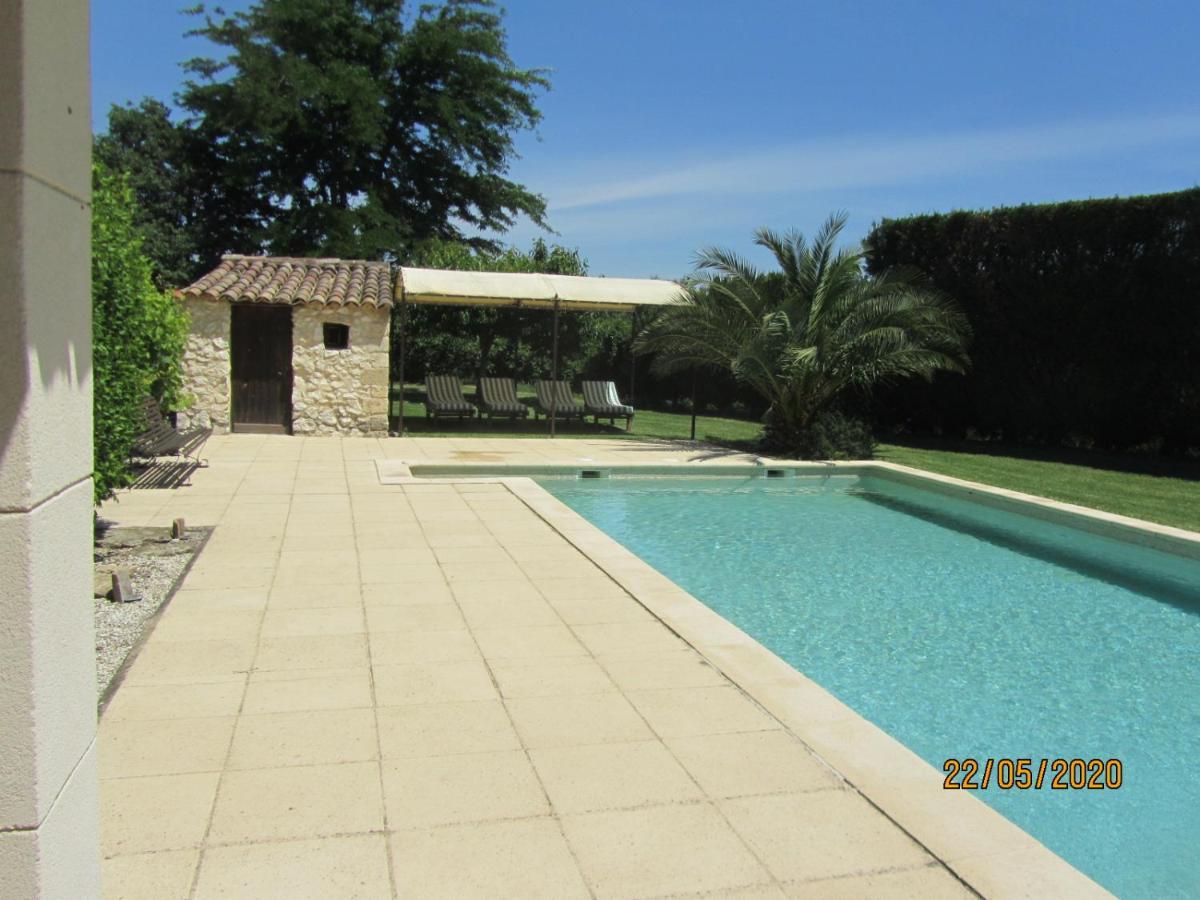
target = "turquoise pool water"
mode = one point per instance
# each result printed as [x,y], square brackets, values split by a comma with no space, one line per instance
[963,631]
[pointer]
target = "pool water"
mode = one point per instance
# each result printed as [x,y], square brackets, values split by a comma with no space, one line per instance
[963,631]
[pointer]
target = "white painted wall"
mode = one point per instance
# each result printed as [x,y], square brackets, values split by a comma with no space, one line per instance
[49,840]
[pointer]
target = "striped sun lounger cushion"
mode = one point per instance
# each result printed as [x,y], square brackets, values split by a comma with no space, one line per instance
[498,397]
[600,398]
[444,396]
[557,395]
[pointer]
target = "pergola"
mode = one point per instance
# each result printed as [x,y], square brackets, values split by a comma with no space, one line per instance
[518,290]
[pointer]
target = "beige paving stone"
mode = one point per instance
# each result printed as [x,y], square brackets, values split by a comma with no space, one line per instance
[343,543]
[315,596]
[418,592]
[186,600]
[401,647]
[496,590]
[629,639]
[679,669]
[604,611]
[480,571]
[345,571]
[532,642]
[679,712]
[149,876]
[474,538]
[415,617]
[931,882]
[308,737]
[472,554]
[576,721]
[295,690]
[1034,873]
[297,802]
[435,682]
[341,867]
[232,576]
[581,587]
[164,746]
[158,701]
[559,677]
[757,762]
[481,726]
[822,834]
[509,613]
[324,651]
[185,625]
[472,787]
[661,850]
[408,553]
[612,776]
[161,812]
[319,621]
[527,858]
[400,573]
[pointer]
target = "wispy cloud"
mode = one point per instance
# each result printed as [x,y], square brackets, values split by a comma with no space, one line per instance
[870,160]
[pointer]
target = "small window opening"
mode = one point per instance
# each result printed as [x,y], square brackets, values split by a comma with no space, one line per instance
[337,336]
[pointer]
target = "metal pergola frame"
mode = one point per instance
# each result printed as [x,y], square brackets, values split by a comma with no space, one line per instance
[505,290]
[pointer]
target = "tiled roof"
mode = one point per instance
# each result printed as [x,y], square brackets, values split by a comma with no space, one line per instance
[285,279]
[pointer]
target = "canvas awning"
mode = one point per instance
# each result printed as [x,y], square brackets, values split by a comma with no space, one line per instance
[529,291]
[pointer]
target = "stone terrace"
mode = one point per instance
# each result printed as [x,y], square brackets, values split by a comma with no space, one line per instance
[424,690]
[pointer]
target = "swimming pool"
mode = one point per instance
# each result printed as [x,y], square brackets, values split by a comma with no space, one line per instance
[964,631]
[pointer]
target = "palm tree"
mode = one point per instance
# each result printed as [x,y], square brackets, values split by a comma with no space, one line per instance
[810,335]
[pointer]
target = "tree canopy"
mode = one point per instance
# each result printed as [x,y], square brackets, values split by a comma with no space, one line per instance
[346,128]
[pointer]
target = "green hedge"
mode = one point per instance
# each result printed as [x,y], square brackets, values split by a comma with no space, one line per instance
[138,333]
[1086,318]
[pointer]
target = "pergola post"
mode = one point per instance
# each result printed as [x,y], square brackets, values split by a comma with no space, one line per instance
[554,371]
[403,341]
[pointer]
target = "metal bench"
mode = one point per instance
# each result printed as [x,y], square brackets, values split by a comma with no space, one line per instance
[162,439]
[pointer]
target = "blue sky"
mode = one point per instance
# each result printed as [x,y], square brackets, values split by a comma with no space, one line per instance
[675,125]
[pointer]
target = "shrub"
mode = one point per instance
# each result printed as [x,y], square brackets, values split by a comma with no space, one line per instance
[138,333]
[1086,318]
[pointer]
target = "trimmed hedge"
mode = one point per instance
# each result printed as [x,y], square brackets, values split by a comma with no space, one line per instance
[138,333]
[1086,318]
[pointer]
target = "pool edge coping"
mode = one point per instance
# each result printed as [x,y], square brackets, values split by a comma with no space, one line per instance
[984,849]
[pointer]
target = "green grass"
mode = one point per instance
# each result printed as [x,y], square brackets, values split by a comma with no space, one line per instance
[1163,491]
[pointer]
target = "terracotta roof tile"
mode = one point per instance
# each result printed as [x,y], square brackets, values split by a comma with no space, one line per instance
[286,279]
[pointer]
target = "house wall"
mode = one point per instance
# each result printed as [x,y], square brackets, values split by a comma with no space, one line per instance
[340,391]
[49,811]
[206,375]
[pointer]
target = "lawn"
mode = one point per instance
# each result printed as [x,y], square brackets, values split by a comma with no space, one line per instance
[1163,491]
[1156,490]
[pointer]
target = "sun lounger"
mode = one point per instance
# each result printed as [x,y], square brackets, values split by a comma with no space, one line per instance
[444,397]
[600,400]
[498,397]
[556,395]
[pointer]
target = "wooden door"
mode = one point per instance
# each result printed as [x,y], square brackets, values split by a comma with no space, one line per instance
[260,349]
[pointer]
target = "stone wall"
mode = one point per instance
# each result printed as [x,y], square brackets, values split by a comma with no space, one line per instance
[206,375]
[340,391]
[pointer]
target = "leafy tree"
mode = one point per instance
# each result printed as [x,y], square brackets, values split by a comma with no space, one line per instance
[809,337]
[509,341]
[332,127]
[138,332]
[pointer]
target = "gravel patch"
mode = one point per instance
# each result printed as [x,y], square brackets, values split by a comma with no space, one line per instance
[155,563]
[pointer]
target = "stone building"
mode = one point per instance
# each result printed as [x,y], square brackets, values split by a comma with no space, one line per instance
[289,346]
